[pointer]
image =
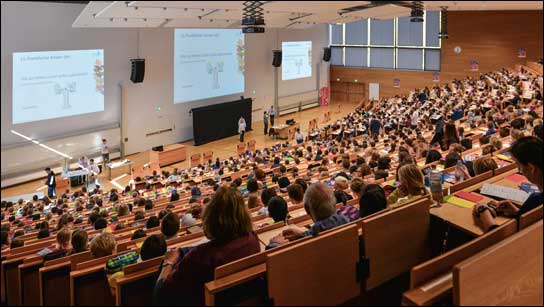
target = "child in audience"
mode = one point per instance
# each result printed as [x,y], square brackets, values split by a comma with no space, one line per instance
[277,209]
[372,200]
[62,246]
[103,245]
[412,186]
[154,246]
[170,226]
[79,241]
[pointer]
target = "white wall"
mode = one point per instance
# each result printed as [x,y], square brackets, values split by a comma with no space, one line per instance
[33,26]
[156,46]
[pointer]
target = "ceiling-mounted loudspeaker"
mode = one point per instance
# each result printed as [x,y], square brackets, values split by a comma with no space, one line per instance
[417,12]
[276,60]
[444,23]
[137,70]
[327,54]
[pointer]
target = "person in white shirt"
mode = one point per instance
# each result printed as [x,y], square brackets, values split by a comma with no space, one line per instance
[83,162]
[241,128]
[105,150]
[272,114]
[299,137]
[415,119]
[93,168]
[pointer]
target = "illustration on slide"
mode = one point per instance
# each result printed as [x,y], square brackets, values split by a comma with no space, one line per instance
[241,53]
[310,57]
[298,64]
[65,92]
[214,70]
[99,76]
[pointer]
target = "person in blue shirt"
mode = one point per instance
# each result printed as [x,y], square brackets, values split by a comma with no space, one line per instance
[490,129]
[527,152]
[51,183]
[375,126]
[457,114]
[320,204]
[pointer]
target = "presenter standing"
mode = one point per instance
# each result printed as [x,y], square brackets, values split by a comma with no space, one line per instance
[241,128]
[51,183]
[105,153]
[272,113]
[265,122]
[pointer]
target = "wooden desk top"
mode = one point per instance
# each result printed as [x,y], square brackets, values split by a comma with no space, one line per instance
[462,218]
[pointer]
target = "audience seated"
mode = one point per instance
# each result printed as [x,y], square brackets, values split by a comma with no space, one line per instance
[227,224]
[527,153]
[320,204]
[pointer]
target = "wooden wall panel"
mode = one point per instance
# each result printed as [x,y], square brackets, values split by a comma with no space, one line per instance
[490,37]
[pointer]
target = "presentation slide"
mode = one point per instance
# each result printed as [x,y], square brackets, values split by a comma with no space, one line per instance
[208,63]
[296,60]
[53,84]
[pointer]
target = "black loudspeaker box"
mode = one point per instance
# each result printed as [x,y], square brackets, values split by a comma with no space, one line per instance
[138,70]
[276,61]
[326,54]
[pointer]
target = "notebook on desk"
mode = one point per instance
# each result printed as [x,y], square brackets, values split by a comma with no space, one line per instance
[504,192]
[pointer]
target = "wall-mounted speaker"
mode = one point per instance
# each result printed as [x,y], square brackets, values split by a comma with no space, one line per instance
[276,61]
[327,54]
[137,71]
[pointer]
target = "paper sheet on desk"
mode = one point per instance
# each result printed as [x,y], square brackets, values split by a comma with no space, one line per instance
[504,192]
[459,202]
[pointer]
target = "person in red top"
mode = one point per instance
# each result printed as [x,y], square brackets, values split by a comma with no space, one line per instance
[227,224]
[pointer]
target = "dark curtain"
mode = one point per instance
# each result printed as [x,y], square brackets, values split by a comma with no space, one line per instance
[219,121]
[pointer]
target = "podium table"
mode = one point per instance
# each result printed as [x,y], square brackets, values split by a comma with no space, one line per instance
[115,165]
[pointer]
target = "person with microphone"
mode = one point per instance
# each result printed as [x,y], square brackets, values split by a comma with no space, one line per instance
[241,128]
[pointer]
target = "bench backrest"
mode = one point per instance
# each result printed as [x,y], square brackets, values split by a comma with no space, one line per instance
[508,273]
[395,241]
[303,266]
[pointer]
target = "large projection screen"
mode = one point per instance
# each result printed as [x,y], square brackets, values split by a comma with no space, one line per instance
[54,84]
[208,63]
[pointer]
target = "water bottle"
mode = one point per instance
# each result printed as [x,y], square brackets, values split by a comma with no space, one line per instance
[436,179]
[459,174]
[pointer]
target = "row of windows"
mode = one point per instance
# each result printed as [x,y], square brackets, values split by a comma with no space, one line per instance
[394,43]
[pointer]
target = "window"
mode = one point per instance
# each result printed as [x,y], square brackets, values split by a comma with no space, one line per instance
[392,44]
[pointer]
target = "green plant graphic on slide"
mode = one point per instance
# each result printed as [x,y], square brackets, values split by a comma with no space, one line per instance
[65,92]
[214,70]
[241,54]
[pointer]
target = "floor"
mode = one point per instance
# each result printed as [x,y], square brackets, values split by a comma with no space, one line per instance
[222,148]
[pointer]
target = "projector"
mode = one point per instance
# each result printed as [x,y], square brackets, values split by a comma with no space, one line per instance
[252,21]
[417,15]
[250,30]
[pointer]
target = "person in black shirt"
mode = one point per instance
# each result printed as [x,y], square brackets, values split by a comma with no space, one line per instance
[527,152]
[51,183]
